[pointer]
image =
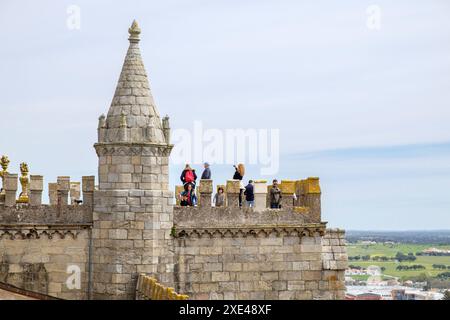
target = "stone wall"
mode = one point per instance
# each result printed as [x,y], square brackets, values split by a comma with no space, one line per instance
[45,248]
[129,239]
[41,258]
[225,253]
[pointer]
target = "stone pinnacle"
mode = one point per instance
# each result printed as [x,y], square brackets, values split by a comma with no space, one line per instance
[134,32]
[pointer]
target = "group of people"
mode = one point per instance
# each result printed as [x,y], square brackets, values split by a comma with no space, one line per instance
[189,179]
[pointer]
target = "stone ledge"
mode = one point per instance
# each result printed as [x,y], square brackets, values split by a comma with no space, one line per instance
[46,214]
[309,230]
[32,231]
[130,149]
[206,217]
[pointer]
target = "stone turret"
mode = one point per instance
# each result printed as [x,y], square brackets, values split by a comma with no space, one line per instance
[133,206]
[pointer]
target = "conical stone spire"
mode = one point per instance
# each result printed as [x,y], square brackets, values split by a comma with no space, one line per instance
[133,100]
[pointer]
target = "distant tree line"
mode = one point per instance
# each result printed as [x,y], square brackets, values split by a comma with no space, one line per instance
[412,267]
[437,254]
[400,257]
[361,268]
[440,266]
[443,276]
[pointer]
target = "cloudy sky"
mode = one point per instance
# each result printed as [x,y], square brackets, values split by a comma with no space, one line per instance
[366,109]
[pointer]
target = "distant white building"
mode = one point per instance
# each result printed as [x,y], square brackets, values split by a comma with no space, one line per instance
[393,292]
[368,242]
[436,250]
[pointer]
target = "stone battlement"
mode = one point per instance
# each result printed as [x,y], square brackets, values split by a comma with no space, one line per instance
[299,196]
[63,192]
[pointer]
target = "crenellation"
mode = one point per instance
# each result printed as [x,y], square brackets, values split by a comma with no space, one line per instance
[63,188]
[75,192]
[289,202]
[36,187]
[10,187]
[288,193]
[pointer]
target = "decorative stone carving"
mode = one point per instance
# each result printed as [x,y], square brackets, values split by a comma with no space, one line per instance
[256,231]
[23,197]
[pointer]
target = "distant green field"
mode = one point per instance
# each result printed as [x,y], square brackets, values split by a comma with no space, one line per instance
[391,250]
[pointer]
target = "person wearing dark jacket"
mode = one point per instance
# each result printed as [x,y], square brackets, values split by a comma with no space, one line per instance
[188,197]
[275,195]
[249,195]
[188,176]
[207,172]
[239,175]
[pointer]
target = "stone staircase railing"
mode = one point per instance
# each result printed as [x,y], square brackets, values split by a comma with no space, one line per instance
[148,288]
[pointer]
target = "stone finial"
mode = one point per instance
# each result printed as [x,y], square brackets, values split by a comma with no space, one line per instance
[165,122]
[166,128]
[101,121]
[24,182]
[101,129]
[4,162]
[134,32]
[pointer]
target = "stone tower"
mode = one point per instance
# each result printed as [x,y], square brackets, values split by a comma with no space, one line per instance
[133,211]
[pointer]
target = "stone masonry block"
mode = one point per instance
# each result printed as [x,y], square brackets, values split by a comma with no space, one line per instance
[233,186]
[205,186]
[36,183]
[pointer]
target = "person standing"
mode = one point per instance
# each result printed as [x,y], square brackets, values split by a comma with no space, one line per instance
[188,176]
[219,198]
[239,175]
[249,195]
[188,196]
[275,195]
[207,172]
